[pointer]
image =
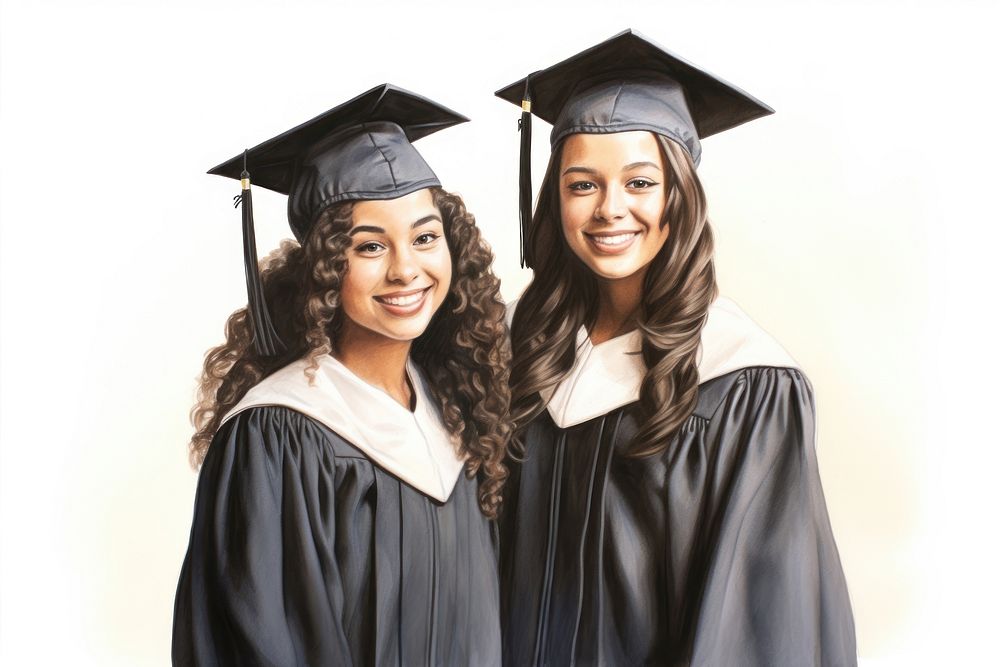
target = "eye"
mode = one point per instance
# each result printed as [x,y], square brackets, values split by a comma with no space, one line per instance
[641,183]
[582,186]
[370,248]
[425,238]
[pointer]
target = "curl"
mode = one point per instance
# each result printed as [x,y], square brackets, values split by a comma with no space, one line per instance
[231,369]
[465,353]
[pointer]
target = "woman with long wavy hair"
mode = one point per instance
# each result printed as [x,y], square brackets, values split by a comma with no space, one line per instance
[665,506]
[352,429]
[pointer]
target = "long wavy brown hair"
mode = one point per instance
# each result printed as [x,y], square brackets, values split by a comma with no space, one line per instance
[678,289]
[464,352]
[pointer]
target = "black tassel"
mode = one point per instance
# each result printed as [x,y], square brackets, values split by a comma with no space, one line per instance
[265,338]
[524,126]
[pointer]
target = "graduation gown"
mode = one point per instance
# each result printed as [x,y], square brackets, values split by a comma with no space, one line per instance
[716,552]
[334,527]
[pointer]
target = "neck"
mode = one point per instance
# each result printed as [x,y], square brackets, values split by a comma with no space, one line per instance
[376,359]
[617,307]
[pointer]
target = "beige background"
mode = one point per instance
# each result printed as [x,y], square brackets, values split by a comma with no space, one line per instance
[856,225]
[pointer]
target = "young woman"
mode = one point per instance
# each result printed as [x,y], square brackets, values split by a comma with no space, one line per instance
[352,427]
[667,508]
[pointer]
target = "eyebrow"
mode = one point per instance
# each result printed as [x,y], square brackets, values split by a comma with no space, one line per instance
[579,170]
[427,218]
[636,165]
[366,228]
[628,167]
[378,230]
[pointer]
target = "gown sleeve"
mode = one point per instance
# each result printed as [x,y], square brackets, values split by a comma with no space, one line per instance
[775,593]
[260,584]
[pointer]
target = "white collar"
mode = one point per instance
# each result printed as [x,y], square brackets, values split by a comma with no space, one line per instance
[608,375]
[414,446]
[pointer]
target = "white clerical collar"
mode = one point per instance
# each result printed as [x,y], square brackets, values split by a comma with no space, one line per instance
[609,375]
[414,446]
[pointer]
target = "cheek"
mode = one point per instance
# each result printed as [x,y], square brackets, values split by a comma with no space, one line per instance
[650,209]
[658,240]
[360,281]
[442,267]
[574,213]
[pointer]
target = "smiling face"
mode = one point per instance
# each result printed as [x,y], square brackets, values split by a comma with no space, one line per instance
[398,266]
[612,194]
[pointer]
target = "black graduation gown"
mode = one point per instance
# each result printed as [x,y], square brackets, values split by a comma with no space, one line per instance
[717,552]
[304,552]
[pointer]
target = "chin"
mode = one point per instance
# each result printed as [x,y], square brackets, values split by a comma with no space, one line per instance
[404,331]
[612,269]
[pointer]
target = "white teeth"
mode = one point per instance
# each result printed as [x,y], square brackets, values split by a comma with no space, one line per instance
[407,300]
[617,239]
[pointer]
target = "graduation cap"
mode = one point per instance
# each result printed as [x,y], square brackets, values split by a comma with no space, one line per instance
[623,84]
[359,150]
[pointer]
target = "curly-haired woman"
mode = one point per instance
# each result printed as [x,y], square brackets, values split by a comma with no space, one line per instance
[667,509]
[353,426]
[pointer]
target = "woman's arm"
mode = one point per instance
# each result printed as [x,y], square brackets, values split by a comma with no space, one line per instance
[775,593]
[260,584]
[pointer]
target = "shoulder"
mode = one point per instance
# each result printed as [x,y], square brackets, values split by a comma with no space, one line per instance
[754,390]
[273,389]
[273,433]
[262,453]
[758,420]
[268,421]
[737,357]
[731,341]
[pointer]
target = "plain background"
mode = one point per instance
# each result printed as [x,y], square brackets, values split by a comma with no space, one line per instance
[857,225]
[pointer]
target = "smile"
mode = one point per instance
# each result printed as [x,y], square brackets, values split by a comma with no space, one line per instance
[613,242]
[403,303]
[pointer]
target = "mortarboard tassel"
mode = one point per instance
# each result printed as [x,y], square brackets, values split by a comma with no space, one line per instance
[524,126]
[265,339]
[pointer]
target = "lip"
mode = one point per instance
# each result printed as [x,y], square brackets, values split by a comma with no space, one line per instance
[409,306]
[597,241]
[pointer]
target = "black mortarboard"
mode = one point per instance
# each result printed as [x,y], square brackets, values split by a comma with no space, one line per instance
[359,150]
[626,83]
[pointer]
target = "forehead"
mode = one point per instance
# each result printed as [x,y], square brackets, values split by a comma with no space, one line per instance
[399,212]
[611,151]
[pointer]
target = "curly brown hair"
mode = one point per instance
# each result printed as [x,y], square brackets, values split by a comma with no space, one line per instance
[464,352]
[562,296]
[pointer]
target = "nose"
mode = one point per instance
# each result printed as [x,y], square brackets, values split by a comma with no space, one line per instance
[402,267]
[611,205]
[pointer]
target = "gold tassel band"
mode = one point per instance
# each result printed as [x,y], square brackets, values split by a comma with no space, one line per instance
[245,183]
[526,105]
